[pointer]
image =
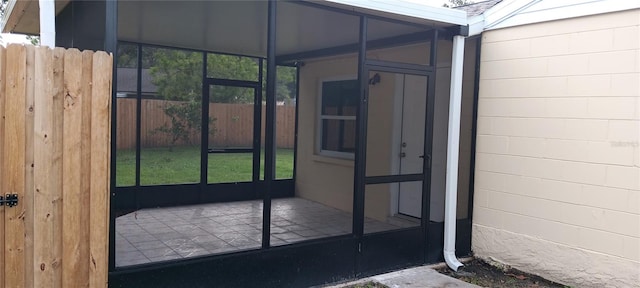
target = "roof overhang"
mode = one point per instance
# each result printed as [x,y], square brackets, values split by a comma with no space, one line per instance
[522,12]
[22,16]
[239,27]
[135,17]
[402,10]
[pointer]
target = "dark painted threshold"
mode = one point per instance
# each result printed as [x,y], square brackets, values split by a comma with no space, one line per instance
[300,266]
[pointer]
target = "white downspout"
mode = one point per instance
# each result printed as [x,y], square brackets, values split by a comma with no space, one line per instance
[47,23]
[453,146]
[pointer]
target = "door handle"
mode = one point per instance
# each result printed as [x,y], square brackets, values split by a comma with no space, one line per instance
[402,154]
[421,156]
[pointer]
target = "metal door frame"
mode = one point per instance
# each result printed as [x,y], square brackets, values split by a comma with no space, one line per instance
[257,124]
[368,258]
[406,246]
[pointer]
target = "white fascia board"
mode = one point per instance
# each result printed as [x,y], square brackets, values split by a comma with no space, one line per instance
[547,10]
[405,8]
[505,10]
[499,12]
[476,25]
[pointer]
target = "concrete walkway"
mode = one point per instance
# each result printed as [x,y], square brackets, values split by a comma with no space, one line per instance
[418,277]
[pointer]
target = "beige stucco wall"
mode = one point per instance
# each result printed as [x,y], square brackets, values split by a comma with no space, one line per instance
[330,180]
[557,189]
[318,178]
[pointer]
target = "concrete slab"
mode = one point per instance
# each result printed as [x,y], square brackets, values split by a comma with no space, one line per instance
[417,277]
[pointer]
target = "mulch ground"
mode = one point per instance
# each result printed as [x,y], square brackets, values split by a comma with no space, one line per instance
[483,274]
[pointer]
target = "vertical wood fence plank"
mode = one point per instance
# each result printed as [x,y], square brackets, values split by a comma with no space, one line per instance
[2,162]
[14,159]
[126,131]
[100,139]
[28,166]
[72,169]
[56,177]
[85,185]
[43,160]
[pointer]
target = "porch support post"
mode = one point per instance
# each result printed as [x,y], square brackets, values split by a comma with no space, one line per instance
[270,117]
[110,45]
[47,23]
[453,146]
[361,136]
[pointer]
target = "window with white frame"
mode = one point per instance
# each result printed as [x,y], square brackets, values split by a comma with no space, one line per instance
[337,119]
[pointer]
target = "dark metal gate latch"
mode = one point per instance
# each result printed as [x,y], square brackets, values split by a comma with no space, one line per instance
[9,199]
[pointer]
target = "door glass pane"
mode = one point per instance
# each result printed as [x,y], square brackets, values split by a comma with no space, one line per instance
[171,116]
[392,206]
[396,124]
[231,130]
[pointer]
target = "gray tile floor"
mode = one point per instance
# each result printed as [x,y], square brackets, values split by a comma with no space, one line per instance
[159,234]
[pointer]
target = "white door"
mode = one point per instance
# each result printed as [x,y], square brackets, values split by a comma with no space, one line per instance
[412,143]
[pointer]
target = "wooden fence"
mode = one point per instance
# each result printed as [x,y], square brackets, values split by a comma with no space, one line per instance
[233,125]
[54,154]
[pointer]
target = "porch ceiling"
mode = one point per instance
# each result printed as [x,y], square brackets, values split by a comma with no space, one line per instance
[240,27]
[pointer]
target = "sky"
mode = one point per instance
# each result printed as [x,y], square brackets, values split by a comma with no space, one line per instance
[13,38]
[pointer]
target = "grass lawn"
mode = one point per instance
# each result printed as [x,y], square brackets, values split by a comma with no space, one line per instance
[182,165]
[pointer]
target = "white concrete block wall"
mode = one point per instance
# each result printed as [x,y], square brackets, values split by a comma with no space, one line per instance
[557,189]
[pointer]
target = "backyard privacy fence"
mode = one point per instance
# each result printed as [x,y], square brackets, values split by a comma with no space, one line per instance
[233,125]
[54,154]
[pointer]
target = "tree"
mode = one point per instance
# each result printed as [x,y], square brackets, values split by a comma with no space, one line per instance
[285,83]
[164,63]
[456,3]
[232,67]
[185,121]
[178,76]
[35,40]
